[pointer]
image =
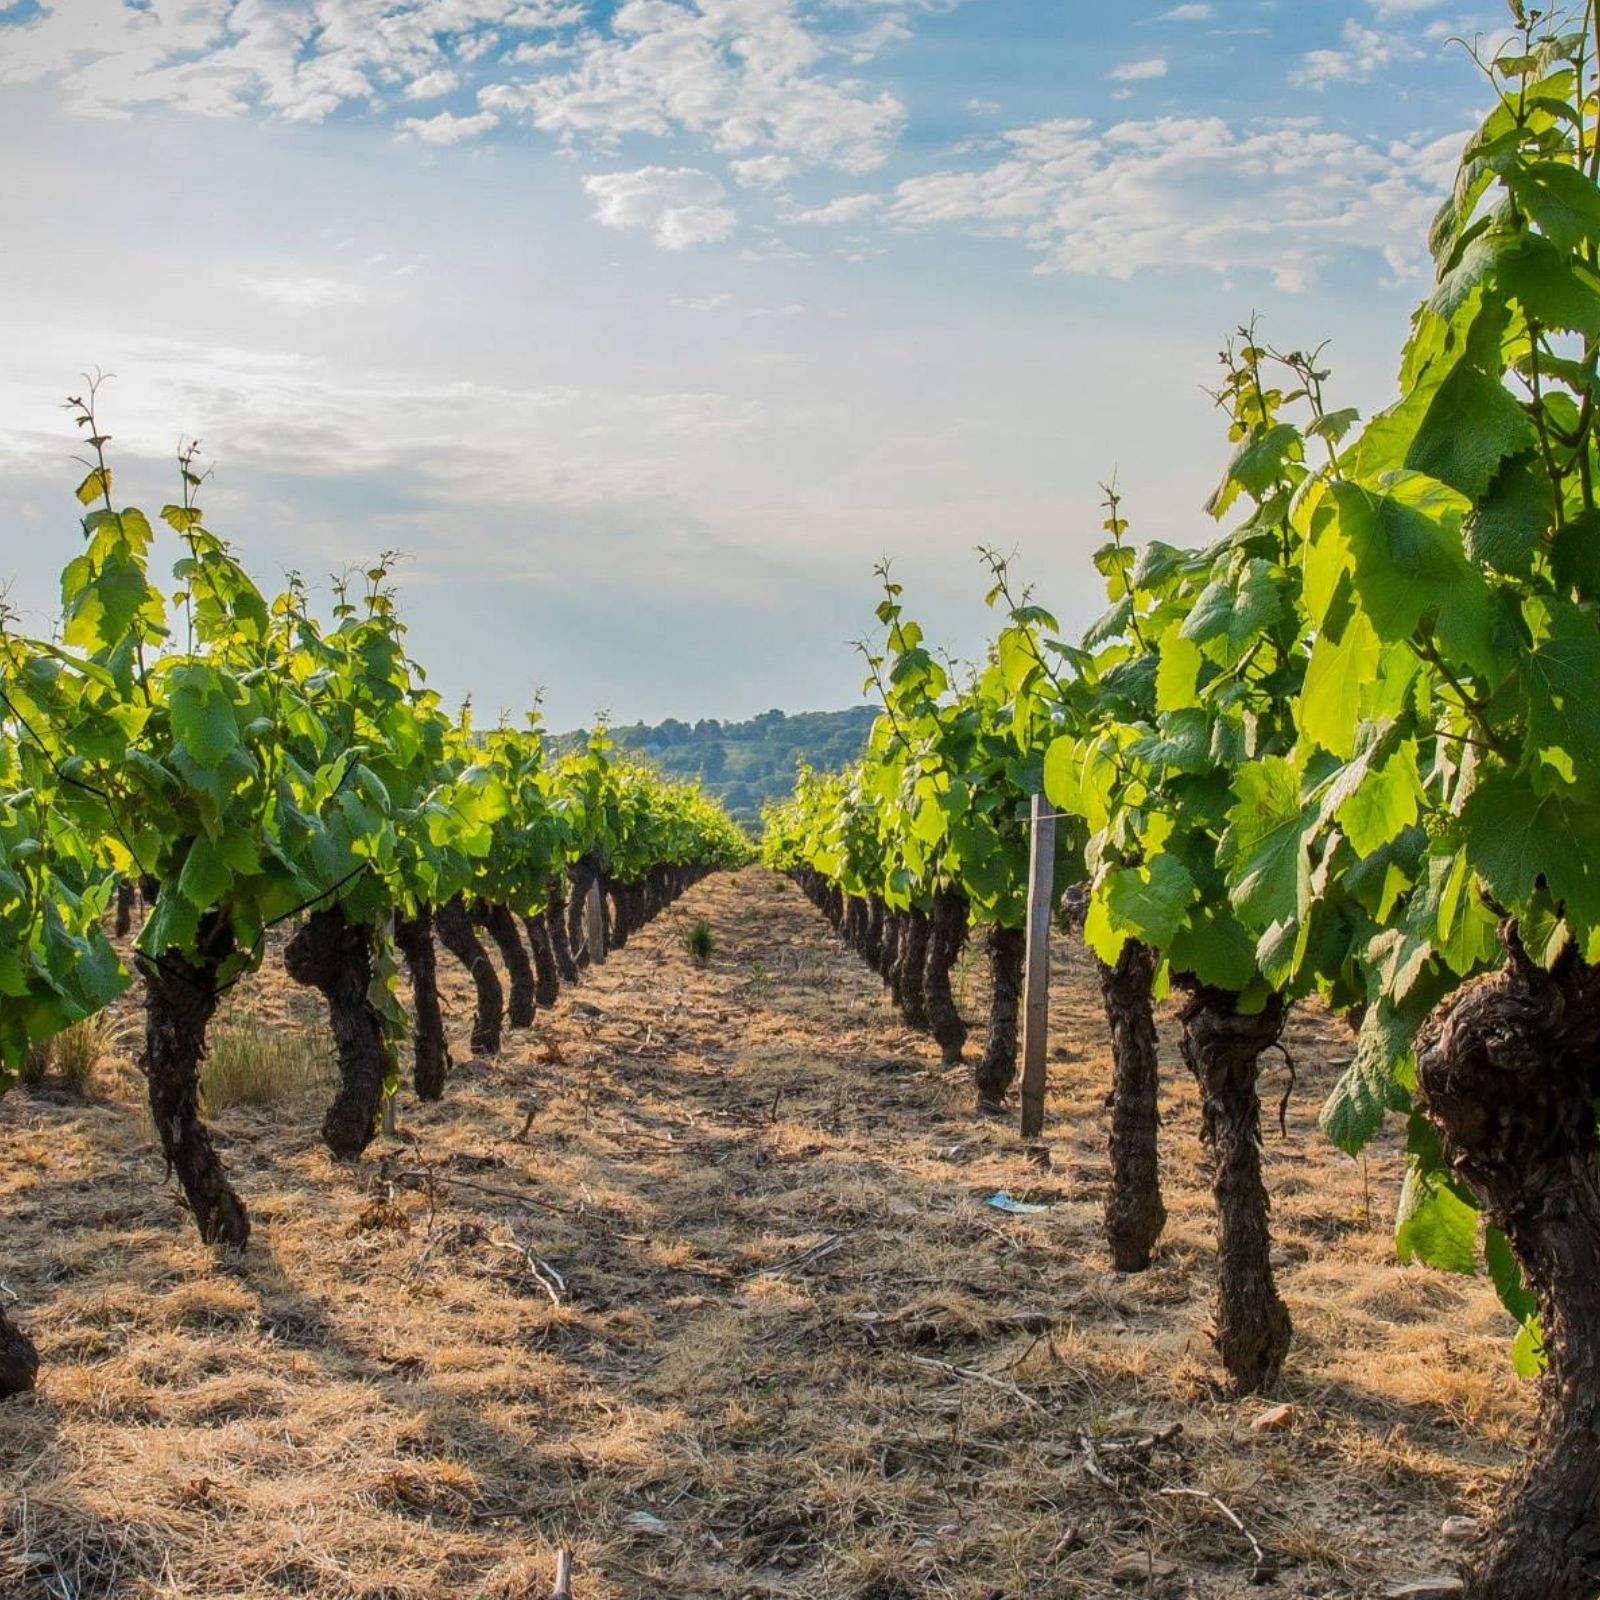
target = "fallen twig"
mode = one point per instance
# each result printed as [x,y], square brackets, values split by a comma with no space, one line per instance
[1004,1385]
[1265,1566]
[806,1257]
[502,1194]
[1091,1462]
[563,1588]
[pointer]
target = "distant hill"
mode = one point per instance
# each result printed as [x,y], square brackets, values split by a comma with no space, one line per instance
[745,764]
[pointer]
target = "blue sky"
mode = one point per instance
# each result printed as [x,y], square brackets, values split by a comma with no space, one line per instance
[645,329]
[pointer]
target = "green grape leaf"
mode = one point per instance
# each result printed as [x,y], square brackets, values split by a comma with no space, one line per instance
[1563,201]
[1369,1089]
[1435,1225]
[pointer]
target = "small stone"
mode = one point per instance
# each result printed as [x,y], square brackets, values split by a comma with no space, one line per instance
[1427,1589]
[1137,1567]
[643,1522]
[1459,1530]
[1278,1417]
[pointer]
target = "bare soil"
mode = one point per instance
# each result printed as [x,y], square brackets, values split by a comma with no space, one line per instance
[699,1280]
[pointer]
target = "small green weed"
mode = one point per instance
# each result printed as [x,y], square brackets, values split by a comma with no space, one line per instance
[699,941]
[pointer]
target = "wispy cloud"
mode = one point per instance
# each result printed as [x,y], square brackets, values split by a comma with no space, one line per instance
[679,206]
[1139,71]
[1192,192]
[1363,53]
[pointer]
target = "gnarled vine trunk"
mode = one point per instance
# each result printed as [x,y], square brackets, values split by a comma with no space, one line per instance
[1509,1069]
[889,953]
[180,998]
[501,926]
[125,899]
[872,936]
[555,918]
[546,973]
[947,935]
[430,1052]
[997,1067]
[582,875]
[454,928]
[914,937]
[19,1359]
[614,903]
[333,955]
[855,923]
[1135,1215]
[1222,1046]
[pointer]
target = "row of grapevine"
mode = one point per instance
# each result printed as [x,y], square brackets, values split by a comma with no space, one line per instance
[245,766]
[1350,749]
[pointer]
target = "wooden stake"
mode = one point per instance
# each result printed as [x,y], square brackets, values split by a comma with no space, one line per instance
[1036,976]
[594,926]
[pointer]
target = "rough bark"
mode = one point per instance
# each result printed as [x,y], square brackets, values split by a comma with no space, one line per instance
[1135,1215]
[180,999]
[501,926]
[19,1359]
[614,903]
[889,953]
[555,917]
[1223,1047]
[997,1067]
[583,874]
[947,935]
[333,955]
[430,1052]
[855,923]
[125,898]
[1509,1069]
[546,973]
[454,928]
[913,969]
[872,941]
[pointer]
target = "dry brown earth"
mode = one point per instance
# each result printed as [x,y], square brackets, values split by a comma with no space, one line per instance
[786,1348]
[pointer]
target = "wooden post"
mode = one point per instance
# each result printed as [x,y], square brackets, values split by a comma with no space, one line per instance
[1036,976]
[594,925]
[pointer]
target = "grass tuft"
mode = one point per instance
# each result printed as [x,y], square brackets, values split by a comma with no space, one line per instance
[72,1055]
[699,941]
[249,1065]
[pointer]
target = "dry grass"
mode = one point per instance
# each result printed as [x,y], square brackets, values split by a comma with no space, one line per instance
[785,1348]
[73,1055]
[252,1063]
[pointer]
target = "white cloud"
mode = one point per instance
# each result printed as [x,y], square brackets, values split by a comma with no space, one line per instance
[762,172]
[889,29]
[739,73]
[1188,13]
[983,108]
[447,128]
[848,208]
[679,206]
[432,84]
[308,293]
[1193,192]
[745,75]
[228,57]
[1364,53]
[1139,71]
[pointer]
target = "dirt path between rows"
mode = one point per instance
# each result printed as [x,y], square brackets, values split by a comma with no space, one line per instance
[732,1319]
